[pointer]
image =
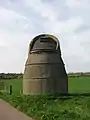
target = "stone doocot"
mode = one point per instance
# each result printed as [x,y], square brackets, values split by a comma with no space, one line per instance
[44,69]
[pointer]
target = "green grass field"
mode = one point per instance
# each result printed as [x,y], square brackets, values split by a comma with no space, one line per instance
[16,85]
[75,85]
[79,85]
[53,107]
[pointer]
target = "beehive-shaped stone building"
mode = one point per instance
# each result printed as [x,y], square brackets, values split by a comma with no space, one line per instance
[44,69]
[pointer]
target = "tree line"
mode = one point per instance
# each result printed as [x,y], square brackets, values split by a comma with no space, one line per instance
[20,75]
[11,75]
[79,74]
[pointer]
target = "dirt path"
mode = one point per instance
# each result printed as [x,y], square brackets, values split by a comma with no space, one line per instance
[7,112]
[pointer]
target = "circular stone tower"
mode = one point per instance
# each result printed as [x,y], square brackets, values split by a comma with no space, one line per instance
[44,69]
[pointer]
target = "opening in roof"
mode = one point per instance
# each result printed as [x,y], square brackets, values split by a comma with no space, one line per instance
[44,45]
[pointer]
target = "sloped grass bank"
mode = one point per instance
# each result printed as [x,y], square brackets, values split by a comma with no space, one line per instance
[51,107]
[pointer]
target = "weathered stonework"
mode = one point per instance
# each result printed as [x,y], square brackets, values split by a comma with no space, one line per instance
[44,69]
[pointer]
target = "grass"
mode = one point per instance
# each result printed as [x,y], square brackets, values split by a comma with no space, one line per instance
[53,107]
[79,85]
[16,85]
[75,85]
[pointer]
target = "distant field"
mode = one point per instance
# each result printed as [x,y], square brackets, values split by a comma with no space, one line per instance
[75,85]
[16,85]
[79,85]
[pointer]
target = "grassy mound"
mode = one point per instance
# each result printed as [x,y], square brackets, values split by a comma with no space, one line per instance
[51,107]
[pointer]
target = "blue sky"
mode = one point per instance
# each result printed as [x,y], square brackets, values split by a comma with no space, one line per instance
[21,20]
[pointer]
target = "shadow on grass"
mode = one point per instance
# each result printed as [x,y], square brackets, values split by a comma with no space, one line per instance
[78,94]
[68,96]
[52,96]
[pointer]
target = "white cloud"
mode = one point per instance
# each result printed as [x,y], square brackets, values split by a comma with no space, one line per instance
[64,26]
[78,3]
[13,40]
[21,22]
